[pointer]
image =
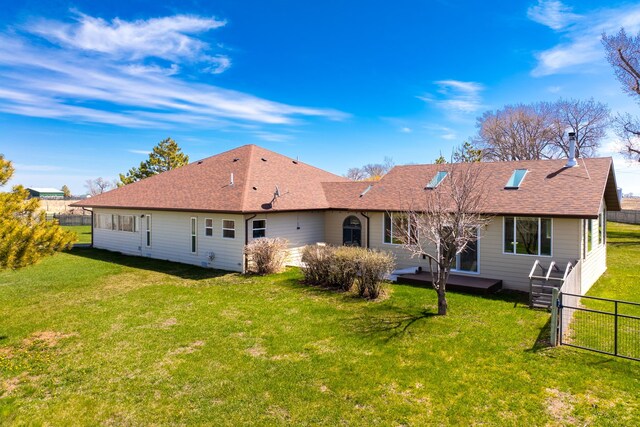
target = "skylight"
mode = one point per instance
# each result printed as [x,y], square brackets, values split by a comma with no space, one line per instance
[436,179]
[516,179]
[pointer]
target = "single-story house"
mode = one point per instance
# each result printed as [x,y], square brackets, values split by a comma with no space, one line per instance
[206,212]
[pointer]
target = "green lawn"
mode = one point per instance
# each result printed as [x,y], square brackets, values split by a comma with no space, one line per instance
[82,231]
[90,337]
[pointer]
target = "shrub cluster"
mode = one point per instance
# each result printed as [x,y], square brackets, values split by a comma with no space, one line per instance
[343,267]
[266,255]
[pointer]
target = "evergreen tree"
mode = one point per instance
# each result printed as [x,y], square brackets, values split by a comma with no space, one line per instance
[165,156]
[25,234]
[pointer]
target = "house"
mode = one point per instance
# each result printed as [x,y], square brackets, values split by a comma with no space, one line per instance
[46,193]
[206,212]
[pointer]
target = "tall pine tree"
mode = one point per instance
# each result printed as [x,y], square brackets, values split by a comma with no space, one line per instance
[25,234]
[165,156]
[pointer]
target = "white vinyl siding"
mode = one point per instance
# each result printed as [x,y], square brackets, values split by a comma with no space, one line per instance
[171,239]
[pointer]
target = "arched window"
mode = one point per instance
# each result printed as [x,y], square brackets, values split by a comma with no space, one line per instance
[352,231]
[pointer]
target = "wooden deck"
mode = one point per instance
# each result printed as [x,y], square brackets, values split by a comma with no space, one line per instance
[456,282]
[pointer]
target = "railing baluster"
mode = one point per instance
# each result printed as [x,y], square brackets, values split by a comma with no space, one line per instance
[615,329]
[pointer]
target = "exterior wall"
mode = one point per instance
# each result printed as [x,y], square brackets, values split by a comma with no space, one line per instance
[171,238]
[299,228]
[594,262]
[512,269]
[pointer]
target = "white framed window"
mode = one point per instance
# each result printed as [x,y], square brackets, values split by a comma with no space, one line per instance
[208,227]
[116,222]
[527,236]
[148,230]
[468,260]
[194,235]
[588,233]
[396,227]
[228,229]
[127,223]
[259,228]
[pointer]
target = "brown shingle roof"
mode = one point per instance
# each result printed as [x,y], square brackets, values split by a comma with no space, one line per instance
[205,185]
[548,189]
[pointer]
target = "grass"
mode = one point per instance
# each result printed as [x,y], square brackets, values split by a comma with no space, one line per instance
[82,231]
[91,337]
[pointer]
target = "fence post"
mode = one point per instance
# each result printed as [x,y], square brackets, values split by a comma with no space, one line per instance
[615,329]
[554,317]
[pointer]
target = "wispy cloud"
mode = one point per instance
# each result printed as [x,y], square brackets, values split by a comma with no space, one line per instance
[139,151]
[457,96]
[78,78]
[442,131]
[170,38]
[406,129]
[36,168]
[580,45]
[554,14]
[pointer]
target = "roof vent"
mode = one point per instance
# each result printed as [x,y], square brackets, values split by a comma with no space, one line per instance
[572,151]
[199,162]
[263,159]
[366,190]
[255,188]
[436,180]
[295,162]
[231,179]
[236,159]
[516,179]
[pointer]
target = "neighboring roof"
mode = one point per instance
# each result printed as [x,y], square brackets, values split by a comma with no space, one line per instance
[205,185]
[548,189]
[45,190]
[631,203]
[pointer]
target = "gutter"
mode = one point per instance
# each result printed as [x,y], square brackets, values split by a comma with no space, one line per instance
[368,221]
[246,240]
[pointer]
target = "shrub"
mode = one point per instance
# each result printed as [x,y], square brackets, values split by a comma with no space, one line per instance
[345,266]
[374,266]
[317,261]
[266,255]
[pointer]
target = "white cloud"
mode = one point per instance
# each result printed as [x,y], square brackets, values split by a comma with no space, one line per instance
[65,83]
[170,38]
[581,46]
[552,13]
[405,129]
[457,96]
[145,152]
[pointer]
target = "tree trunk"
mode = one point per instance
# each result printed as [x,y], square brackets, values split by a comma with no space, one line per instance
[442,302]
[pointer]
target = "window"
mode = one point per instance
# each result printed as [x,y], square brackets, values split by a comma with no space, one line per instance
[467,260]
[436,180]
[516,179]
[396,228]
[527,236]
[148,229]
[208,227]
[589,234]
[259,228]
[116,222]
[127,223]
[601,228]
[228,229]
[351,231]
[194,235]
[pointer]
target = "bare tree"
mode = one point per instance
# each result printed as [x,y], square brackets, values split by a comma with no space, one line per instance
[540,130]
[517,132]
[588,119]
[98,186]
[623,53]
[371,171]
[447,221]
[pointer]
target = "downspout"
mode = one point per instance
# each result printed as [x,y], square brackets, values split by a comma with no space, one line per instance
[90,210]
[368,220]
[246,240]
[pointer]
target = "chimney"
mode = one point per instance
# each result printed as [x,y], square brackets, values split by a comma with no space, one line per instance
[572,151]
[231,180]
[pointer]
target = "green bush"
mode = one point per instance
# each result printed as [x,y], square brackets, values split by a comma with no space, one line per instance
[317,261]
[266,255]
[374,266]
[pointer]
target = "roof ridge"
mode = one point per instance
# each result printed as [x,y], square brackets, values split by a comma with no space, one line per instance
[247,178]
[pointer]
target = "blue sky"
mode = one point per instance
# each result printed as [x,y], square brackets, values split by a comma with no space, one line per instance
[88,88]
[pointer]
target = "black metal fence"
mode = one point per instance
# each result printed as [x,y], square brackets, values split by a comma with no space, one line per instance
[599,324]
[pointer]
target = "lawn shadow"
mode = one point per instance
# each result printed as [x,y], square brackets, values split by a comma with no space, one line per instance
[543,340]
[390,325]
[507,295]
[183,271]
